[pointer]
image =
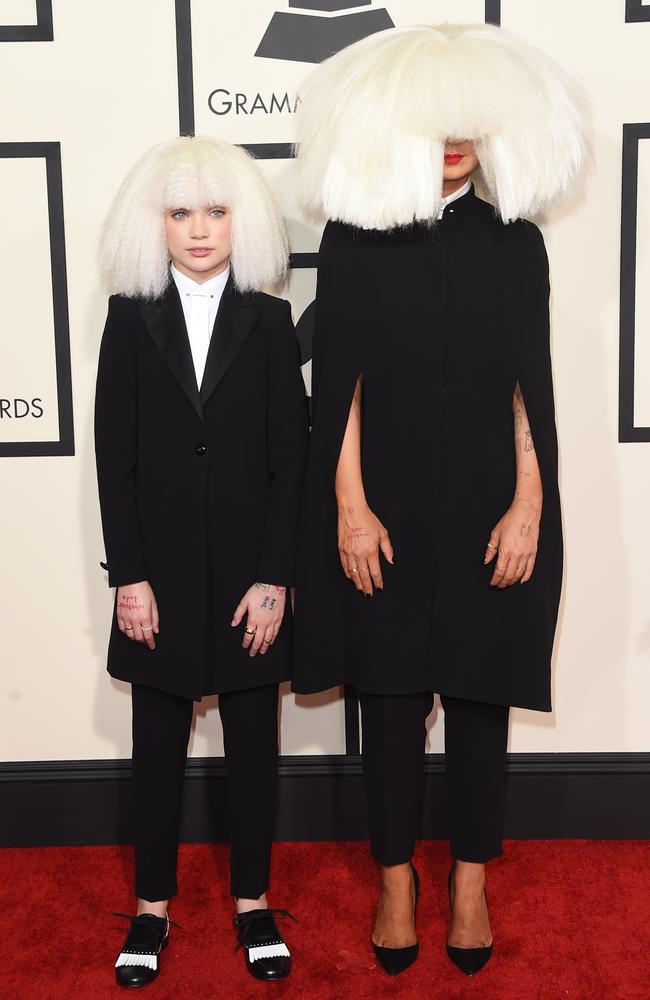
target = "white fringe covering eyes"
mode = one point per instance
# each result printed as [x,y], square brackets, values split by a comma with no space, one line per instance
[268,951]
[148,961]
[374,118]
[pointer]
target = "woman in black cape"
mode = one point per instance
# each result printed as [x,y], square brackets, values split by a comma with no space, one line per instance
[430,554]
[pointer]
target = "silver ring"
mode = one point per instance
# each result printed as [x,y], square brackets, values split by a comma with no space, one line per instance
[267,642]
[146,628]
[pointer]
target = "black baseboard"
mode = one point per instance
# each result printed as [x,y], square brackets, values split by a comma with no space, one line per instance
[321,798]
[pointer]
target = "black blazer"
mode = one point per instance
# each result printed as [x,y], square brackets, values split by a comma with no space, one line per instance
[200,491]
[442,320]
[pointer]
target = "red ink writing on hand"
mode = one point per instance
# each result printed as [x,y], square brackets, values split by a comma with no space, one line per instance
[130,602]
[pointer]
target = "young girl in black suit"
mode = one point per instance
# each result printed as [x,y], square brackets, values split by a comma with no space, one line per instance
[201,431]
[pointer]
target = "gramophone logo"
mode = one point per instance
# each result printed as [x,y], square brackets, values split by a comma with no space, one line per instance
[299,36]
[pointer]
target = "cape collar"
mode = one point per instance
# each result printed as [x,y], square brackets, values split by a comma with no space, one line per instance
[459,203]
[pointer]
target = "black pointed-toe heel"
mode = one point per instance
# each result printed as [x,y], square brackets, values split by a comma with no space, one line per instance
[396,960]
[267,955]
[468,960]
[138,962]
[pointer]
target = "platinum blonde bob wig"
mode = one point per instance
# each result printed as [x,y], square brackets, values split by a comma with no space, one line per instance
[374,118]
[191,173]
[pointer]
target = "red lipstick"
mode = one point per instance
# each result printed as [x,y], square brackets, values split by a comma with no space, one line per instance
[452,158]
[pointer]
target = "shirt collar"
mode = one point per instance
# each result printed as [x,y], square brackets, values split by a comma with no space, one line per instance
[465,189]
[187,286]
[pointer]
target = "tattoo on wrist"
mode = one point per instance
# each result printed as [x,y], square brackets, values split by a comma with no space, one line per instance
[263,586]
[532,505]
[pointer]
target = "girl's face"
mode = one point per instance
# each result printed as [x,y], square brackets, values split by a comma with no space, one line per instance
[460,160]
[199,240]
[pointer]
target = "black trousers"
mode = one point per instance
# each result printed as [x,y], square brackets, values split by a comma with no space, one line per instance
[161,729]
[476,737]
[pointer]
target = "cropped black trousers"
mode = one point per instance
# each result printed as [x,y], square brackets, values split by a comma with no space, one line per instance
[161,729]
[476,736]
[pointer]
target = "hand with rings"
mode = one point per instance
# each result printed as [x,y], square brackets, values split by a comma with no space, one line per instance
[263,605]
[136,612]
[361,537]
[513,543]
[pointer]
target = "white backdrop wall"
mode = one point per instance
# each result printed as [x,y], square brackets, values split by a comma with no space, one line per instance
[106,89]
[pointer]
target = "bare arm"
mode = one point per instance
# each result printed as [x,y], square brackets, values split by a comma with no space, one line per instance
[528,492]
[514,539]
[349,483]
[360,533]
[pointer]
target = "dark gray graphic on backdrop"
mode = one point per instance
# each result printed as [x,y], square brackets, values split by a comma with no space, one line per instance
[632,135]
[32,408]
[42,31]
[309,38]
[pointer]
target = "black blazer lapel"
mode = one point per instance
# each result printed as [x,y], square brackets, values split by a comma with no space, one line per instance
[235,320]
[165,322]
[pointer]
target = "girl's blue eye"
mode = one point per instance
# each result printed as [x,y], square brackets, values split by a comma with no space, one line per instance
[180,214]
[217,211]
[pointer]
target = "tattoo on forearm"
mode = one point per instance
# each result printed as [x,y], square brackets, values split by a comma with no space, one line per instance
[130,602]
[528,442]
[519,417]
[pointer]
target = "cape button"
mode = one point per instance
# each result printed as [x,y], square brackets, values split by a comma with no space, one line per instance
[201,449]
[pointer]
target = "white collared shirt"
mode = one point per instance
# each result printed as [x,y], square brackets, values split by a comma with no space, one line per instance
[200,304]
[452,197]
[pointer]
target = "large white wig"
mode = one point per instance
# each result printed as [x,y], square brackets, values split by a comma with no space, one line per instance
[374,118]
[191,173]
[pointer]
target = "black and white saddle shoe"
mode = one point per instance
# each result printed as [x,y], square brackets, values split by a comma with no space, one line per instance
[267,955]
[138,962]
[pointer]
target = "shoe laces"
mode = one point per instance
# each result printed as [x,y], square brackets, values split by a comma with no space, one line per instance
[144,920]
[244,921]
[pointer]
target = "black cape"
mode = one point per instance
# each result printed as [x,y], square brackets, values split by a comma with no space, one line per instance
[442,320]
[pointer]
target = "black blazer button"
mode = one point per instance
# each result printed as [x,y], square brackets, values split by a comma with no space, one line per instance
[201,449]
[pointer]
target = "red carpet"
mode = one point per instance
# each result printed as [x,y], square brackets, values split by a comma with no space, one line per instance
[571,921]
